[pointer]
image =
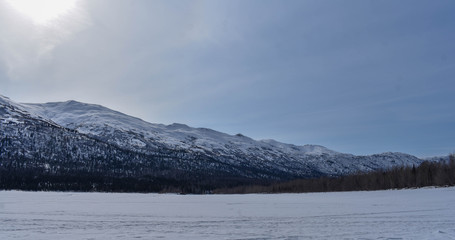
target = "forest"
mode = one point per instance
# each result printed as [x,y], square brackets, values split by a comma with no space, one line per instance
[426,174]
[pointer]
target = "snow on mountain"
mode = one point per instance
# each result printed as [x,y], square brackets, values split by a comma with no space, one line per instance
[123,130]
[136,135]
[307,149]
[11,111]
[104,122]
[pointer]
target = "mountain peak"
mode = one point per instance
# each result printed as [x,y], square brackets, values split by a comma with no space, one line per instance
[178,126]
[185,147]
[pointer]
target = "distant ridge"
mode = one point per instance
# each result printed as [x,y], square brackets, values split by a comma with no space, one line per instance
[72,137]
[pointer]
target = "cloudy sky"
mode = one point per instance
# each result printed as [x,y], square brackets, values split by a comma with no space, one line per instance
[356,76]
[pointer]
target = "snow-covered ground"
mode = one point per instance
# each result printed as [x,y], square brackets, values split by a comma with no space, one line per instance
[396,214]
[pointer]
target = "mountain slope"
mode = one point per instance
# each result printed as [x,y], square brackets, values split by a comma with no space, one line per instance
[72,135]
[137,135]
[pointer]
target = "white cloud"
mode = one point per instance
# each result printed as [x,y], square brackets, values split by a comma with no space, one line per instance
[26,47]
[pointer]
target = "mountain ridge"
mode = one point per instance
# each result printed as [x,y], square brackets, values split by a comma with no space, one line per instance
[174,126]
[95,132]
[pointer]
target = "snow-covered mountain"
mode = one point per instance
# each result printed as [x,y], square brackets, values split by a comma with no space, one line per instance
[87,132]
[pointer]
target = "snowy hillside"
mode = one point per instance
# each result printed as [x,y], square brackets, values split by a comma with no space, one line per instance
[138,135]
[94,132]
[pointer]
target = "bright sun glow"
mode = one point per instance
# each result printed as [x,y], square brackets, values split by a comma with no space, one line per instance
[42,11]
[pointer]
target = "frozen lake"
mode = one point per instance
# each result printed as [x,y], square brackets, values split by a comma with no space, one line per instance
[395,214]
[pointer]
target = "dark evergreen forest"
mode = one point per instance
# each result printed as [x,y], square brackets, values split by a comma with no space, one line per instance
[427,174]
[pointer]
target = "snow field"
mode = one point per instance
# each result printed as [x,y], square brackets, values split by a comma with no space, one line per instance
[396,214]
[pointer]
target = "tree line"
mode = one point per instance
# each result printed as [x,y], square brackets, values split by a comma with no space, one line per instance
[426,174]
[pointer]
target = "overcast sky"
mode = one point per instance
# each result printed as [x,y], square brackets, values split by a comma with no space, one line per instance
[360,77]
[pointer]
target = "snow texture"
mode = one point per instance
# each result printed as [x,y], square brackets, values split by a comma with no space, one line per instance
[395,214]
